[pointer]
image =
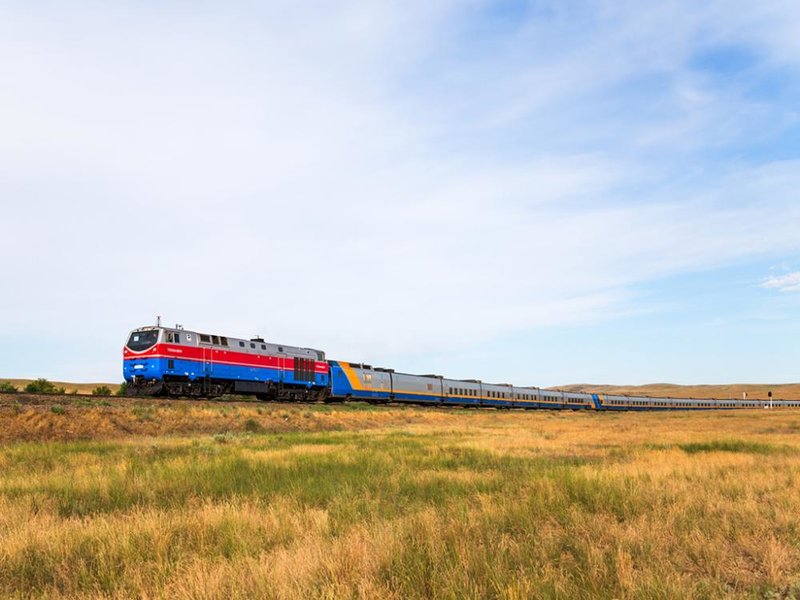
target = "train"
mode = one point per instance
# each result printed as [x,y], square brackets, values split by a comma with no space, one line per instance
[175,362]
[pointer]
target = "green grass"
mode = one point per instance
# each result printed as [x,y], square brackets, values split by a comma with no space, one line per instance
[731,446]
[170,477]
[478,505]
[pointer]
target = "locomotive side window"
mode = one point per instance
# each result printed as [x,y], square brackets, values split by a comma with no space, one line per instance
[252,345]
[215,339]
[204,339]
[223,341]
[241,344]
[263,346]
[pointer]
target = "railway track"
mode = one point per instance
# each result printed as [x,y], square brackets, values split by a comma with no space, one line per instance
[22,398]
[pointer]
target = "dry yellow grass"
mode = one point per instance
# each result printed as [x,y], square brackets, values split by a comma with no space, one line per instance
[31,418]
[355,502]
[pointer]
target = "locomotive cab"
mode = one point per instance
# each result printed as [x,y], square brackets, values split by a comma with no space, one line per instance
[141,364]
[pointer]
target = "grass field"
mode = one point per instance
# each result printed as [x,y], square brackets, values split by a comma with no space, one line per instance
[136,499]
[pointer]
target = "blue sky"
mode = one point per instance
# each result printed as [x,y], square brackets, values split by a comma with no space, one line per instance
[531,192]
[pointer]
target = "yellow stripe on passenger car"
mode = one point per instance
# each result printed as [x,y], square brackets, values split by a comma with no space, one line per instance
[352,378]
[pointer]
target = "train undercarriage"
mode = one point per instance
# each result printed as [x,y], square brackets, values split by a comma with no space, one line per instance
[177,387]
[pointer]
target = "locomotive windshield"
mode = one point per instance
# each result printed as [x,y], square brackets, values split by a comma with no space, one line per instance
[142,340]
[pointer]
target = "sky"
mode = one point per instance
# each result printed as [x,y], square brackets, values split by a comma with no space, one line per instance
[539,193]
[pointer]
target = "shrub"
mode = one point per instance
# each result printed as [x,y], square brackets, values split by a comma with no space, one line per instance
[7,386]
[123,389]
[101,390]
[57,409]
[253,426]
[143,413]
[42,386]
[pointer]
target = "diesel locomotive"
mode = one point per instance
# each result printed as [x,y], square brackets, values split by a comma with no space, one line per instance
[164,361]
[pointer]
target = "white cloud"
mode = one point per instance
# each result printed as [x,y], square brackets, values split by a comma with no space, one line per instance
[784,283]
[364,180]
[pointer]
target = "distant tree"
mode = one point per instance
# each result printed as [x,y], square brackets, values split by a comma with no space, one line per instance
[101,390]
[7,386]
[123,389]
[42,386]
